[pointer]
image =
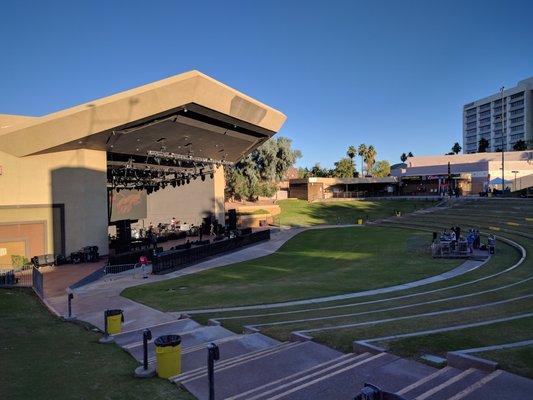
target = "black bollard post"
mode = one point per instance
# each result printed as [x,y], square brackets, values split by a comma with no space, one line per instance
[213,354]
[147,335]
[70,297]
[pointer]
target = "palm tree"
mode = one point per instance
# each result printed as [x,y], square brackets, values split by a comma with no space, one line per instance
[371,154]
[410,154]
[352,152]
[403,157]
[361,151]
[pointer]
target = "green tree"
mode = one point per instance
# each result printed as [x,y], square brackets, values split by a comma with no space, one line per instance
[520,145]
[303,173]
[456,148]
[344,168]
[319,172]
[258,173]
[483,145]
[370,158]
[381,169]
[403,157]
[361,151]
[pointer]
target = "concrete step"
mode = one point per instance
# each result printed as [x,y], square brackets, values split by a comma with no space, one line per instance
[233,361]
[176,327]
[246,374]
[452,386]
[190,338]
[340,384]
[275,386]
[231,347]
[299,378]
[499,385]
[394,375]
[428,382]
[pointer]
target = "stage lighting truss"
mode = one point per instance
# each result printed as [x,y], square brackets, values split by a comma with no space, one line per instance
[163,155]
[151,178]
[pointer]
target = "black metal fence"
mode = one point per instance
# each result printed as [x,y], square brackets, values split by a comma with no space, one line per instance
[117,269]
[38,282]
[130,257]
[16,277]
[169,261]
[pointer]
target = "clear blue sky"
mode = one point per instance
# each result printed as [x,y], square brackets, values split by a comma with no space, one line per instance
[394,74]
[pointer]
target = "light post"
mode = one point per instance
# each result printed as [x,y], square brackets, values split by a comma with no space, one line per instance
[503,138]
[515,172]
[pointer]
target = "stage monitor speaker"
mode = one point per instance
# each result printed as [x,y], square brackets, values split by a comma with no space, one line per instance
[232,219]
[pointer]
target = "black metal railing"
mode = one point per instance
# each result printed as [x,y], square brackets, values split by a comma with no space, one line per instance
[38,282]
[130,257]
[18,277]
[117,269]
[172,260]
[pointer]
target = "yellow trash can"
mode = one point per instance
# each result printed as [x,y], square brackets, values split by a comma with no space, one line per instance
[114,320]
[360,221]
[168,355]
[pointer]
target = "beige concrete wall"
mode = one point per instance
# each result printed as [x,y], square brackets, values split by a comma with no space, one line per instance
[189,203]
[76,179]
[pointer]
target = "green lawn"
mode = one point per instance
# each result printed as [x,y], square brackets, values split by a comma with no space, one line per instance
[314,263]
[43,357]
[487,335]
[518,360]
[303,213]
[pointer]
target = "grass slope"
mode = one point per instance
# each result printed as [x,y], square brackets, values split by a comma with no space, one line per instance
[314,263]
[45,358]
[303,213]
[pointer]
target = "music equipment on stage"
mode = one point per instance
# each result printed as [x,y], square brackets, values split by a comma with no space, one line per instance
[232,219]
[61,259]
[43,260]
[90,254]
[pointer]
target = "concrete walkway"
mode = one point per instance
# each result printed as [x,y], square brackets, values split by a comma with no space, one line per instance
[91,300]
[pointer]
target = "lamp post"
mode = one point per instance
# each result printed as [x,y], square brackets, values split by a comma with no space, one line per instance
[503,138]
[515,172]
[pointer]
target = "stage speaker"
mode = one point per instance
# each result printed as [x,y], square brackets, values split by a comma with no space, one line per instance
[123,233]
[206,225]
[232,219]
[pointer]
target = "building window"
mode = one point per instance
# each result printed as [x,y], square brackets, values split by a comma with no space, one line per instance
[517,112]
[517,103]
[471,111]
[517,128]
[517,119]
[517,95]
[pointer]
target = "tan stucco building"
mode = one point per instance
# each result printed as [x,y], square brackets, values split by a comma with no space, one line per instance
[473,173]
[56,170]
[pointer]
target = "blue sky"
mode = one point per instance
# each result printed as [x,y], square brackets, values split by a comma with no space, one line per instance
[394,74]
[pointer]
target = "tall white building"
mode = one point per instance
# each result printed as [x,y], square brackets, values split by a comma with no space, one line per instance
[482,119]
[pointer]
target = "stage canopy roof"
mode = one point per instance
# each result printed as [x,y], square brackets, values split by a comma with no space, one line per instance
[189,114]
